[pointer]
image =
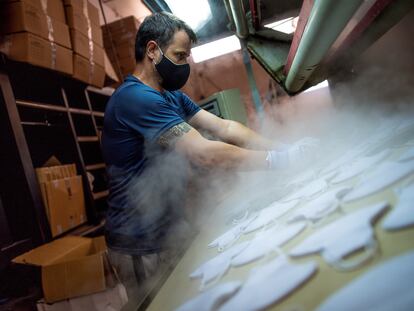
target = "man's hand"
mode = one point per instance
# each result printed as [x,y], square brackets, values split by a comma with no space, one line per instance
[298,154]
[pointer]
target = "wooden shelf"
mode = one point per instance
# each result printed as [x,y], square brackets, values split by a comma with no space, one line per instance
[100,195]
[41,106]
[87,139]
[80,111]
[98,114]
[96,166]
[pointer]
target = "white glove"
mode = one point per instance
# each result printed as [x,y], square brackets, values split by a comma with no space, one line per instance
[300,153]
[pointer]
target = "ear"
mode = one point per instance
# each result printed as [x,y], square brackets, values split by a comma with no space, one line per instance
[152,50]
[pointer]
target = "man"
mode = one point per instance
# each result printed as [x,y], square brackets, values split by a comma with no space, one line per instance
[149,138]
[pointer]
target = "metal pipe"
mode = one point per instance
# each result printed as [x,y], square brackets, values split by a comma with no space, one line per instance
[326,21]
[229,13]
[239,17]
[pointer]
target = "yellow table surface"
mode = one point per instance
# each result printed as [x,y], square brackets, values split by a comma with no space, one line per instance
[179,288]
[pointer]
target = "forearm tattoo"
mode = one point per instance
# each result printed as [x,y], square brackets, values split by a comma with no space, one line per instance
[169,137]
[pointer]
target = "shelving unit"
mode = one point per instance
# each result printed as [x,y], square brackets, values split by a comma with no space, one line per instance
[44,114]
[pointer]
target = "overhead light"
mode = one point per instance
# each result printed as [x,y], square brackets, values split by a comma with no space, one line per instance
[215,48]
[196,13]
[320,85]
[287,25]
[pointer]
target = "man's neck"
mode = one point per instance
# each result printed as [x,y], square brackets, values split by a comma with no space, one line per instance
[146,75]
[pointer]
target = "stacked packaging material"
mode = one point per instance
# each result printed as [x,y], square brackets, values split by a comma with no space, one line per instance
[35,31]
[119,43]
[86,36]
[40,33]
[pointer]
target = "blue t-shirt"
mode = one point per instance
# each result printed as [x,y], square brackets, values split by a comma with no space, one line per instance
[145,179]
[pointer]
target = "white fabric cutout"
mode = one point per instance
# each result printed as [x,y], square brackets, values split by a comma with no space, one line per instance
[265,242]
[407,155]
[402,215]
[228,238]
[385,175]
[309,190]
[358,167]
[343,236]
[269,214]
[267,284]
[212,298]
[320,207]
[346,158]
[387,286]
[216,267]
[303,178]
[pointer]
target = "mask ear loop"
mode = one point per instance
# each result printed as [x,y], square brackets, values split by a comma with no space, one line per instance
[370,251]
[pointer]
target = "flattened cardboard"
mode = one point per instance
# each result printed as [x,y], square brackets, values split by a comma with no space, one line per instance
[65,203]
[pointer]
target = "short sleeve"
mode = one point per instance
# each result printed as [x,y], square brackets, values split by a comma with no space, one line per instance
[190,108]
[146,112]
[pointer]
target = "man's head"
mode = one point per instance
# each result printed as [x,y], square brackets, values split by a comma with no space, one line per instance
[164,42]
[160,28]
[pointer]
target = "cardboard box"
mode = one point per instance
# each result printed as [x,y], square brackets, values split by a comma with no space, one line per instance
[24,16]
[92,11]
[76,20]
[120,32]
[53,8]
[125,50]
[81,46]
[83,71]
[71,266]
[29,48]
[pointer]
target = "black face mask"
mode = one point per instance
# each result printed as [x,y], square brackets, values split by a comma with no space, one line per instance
[173,75]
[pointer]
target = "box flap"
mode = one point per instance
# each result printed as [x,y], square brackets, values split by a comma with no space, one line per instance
[63,249]
[99,244]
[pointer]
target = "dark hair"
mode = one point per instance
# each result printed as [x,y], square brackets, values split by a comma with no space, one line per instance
[159,27]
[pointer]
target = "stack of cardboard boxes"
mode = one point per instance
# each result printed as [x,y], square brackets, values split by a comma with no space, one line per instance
[86,35]
[119,43]
[38,32]
[62,194]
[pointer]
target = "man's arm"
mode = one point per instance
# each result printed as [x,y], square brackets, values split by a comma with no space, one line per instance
[230,131]
[185,139]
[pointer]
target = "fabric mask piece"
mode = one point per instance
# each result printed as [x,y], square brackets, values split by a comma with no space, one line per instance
[320,207]
[266,242]
[228,238]
[407,155]
[303,178]
[268,284]
[309,190]
[385,175]
[402,215]
[173,75]
[358,167]
[346,158]
[269,214]
[342,237]
[387,286]
[216,267]
[211,299]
